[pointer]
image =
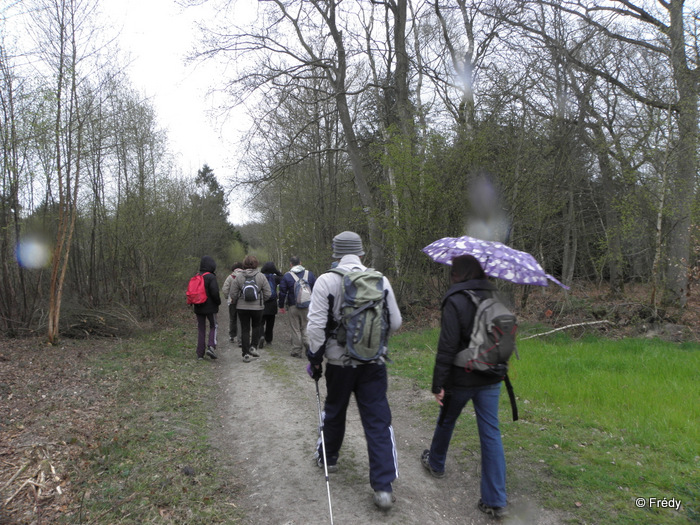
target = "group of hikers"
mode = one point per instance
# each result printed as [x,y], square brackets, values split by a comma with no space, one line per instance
[323,328]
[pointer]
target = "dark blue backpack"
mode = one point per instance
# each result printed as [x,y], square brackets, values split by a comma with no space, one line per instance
[271,278]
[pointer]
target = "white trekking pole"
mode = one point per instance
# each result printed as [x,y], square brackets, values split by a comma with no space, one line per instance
[323,448]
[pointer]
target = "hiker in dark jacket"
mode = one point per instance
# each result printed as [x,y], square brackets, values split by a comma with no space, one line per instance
[298,314]
[208,310]
[270,308]
[454,387]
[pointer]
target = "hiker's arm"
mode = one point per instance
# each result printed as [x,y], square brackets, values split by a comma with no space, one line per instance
[393,307]
[282,293]
[214,291]
[266,290]
[448,346]
[226,288]
[318,319]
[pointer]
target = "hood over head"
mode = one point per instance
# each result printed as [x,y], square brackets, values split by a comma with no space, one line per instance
[269,267]
[207,264]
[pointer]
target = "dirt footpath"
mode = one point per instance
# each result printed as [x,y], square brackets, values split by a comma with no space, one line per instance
[266,432]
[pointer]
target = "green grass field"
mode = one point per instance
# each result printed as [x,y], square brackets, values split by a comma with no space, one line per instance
[602,423]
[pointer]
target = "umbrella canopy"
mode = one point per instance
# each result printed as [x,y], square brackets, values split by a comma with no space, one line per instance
[497,259]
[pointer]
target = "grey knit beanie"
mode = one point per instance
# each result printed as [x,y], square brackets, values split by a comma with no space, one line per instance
[347,243]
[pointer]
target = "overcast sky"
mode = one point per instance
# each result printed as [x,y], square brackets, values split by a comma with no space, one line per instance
[158,34]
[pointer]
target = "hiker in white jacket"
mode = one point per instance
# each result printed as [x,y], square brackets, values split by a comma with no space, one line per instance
[344,377]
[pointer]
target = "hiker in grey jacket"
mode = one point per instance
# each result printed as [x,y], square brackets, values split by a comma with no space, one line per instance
[225,290]
[368,381]
[250,312]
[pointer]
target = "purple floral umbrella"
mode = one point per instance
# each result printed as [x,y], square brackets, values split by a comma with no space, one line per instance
[497,259]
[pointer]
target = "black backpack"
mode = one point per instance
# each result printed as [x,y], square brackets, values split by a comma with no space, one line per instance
[250,290]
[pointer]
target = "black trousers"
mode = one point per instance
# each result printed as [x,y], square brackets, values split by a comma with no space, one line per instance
[268,322]
[251,321]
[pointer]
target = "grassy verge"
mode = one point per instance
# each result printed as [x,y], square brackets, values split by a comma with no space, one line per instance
[149,460]
[603,422]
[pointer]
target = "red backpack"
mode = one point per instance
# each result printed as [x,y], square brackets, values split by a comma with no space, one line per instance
[196,292]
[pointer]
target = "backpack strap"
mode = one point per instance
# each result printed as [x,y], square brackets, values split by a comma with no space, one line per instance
[462,356]
[511,396]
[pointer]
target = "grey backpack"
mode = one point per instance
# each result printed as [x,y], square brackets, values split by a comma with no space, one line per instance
[492,342]
[492,339]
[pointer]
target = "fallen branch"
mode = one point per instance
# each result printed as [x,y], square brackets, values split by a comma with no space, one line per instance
[8,500]
[13,478]
[563,328]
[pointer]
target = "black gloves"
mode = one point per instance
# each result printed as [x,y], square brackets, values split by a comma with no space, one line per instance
[314,371]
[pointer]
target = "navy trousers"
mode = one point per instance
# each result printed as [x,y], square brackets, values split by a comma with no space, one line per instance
[369,384]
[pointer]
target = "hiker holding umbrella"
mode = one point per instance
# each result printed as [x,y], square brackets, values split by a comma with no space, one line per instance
[454,384]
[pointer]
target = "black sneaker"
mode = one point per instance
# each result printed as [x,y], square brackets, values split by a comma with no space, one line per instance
[425,461]
[331,468]
[210,352]
[494,512]
[261,342]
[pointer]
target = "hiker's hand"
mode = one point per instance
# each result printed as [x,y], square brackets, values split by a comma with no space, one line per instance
[314,371]
[439,397]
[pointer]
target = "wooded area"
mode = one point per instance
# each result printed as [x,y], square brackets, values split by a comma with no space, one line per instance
[567,129]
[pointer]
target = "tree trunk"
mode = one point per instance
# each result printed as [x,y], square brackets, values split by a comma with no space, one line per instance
[360,178]
[682,185]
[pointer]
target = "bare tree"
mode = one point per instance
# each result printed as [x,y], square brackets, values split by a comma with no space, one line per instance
[674,41]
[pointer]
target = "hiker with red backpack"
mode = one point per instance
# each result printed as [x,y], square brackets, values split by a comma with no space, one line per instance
[207,310]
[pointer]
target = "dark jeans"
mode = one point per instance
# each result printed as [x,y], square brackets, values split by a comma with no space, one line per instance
[202,332]
[493,461]
[250,318]
[268,325]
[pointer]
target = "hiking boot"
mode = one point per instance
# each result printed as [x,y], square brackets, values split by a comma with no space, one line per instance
[253,352]
[383,500]
[425,461]
[331,468]
[295,354]
[261,342]
[210,352]
[246,358]
[494,512]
